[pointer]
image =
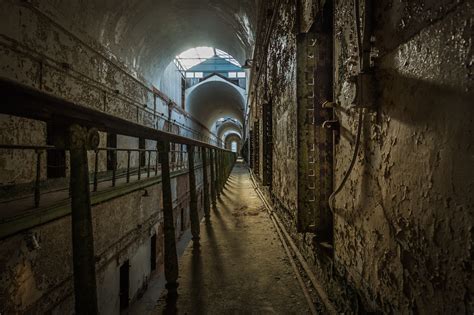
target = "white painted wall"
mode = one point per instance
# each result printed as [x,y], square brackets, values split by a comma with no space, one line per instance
[170,83]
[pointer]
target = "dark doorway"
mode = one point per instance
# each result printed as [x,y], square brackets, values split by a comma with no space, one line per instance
[124,285]
[56,159]
[111,154]
[153,253]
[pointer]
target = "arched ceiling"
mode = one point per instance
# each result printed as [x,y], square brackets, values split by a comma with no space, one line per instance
[232,136]
[228,125]
[148,34]
[211,100]
[229,129]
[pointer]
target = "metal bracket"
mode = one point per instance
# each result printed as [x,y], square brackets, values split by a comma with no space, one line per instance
[333,125]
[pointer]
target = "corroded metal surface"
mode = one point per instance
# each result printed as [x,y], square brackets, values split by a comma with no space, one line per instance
[85,287]
[193,207]
[170,255]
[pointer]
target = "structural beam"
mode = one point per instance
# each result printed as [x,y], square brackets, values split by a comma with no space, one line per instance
[85,289]
[193,209]
[171,257]
[207,205]
[212,153]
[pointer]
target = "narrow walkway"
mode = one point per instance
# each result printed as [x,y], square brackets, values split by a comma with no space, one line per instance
[241,266]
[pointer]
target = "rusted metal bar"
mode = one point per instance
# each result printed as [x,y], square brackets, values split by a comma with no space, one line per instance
[218,173]
[207,205]
[139,165]
[193,209]
[85,289]
[171,257]
[128,166]
[96,169]
[213,178]
[38,178]
[114,169]
[149,165]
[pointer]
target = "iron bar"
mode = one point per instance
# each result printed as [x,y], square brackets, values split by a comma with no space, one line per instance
[207,206]
[128,166]
[38,178]
[193,209]
[85,288]
[149,161]
[170,255]
[96,170]
[213,176]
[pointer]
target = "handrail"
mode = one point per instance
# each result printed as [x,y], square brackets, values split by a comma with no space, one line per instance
[127,172]
[29,102]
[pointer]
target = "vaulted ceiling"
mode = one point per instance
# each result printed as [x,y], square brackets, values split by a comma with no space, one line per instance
[148,34]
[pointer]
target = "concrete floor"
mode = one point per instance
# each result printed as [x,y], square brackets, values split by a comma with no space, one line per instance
[240,267]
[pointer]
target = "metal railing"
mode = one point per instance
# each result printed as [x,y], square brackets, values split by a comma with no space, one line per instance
[81,136]
[146,165]
[108,92]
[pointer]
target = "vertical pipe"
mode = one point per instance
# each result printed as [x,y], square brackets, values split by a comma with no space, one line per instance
[96,169]
[171,257]
[213,177]
[193,209]
[156,163]
[38,179]
[207,206]
[85,291]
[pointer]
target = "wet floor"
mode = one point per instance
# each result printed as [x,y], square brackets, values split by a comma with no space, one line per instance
[240,267]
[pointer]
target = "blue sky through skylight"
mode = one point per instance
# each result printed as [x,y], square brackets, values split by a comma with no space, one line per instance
[194,56]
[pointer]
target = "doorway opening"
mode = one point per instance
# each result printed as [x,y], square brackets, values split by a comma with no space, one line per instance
[125,285]
[153,253]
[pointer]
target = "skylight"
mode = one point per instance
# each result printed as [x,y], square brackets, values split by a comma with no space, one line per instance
[194,56]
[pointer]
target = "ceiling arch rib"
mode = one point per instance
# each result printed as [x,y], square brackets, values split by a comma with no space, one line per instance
[215,98]
[227,125]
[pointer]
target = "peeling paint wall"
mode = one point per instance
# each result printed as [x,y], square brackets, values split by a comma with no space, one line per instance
[403,222]
[277,82]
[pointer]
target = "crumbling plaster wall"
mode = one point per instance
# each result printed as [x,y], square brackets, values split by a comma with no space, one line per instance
[403,222]
[279,66]
[38,279]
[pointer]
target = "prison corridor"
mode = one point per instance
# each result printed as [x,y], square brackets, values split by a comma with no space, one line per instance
[240,265]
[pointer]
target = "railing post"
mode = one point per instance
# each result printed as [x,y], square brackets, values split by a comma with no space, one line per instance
[96,170]
[37,195]
[193,210]
[114,168]
[85,289]
[139,164]
[213,178]
[207,205]
[149,165]
[128,166]
[218,173]
[171,257]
